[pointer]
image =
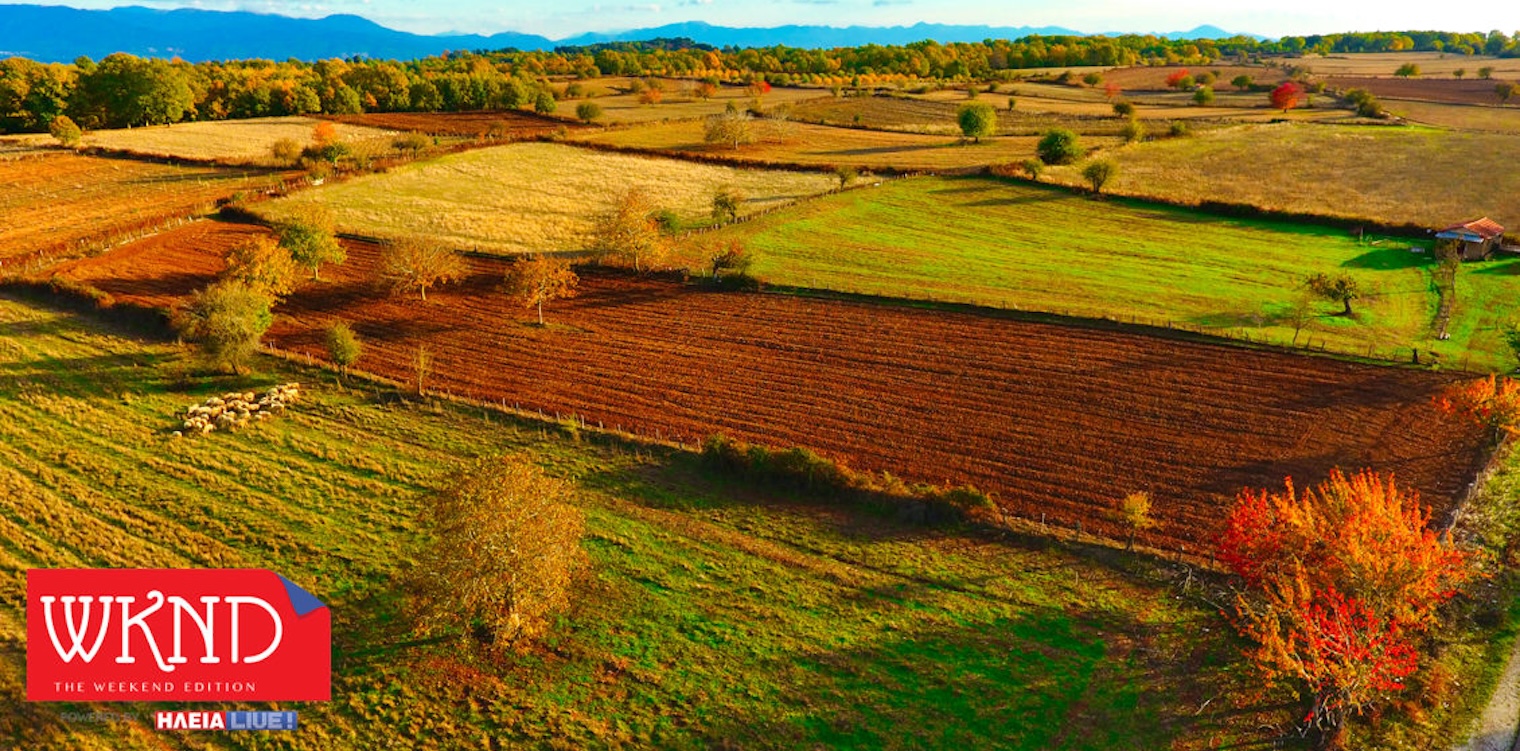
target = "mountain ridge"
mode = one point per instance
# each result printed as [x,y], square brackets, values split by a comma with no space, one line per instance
[51,33]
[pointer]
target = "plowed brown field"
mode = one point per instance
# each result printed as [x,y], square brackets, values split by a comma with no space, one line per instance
[62,202]
[157,271]
[1463,91]
[1058,422]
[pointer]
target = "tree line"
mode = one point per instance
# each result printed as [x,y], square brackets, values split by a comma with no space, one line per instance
[123,90]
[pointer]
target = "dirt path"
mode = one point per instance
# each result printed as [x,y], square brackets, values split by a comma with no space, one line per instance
[1499,725]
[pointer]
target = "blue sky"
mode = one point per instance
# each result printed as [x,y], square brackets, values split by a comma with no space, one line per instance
[563,18]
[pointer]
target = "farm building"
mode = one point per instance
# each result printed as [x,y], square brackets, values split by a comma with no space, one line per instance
[1478,238]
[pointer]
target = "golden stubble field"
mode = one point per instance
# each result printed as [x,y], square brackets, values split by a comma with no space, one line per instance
[1388,174]
[533,197]
[228,141]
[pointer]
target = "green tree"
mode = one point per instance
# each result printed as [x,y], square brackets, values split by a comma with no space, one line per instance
[126,90]
[1242,82]
[977,120]
[1092,79]
[310,237]
[1486,72]
[1204,96]
[503,549]
[419,264]
[1505,89]
[587,112]
[1124,109]
[1098,173]
[1032,168]
[1459,73]
[1059,146]
[227,319]
[343,346]
[540,279]
[725,205]
[544,102]
[1133,131]
[1341,288]
[1408,70]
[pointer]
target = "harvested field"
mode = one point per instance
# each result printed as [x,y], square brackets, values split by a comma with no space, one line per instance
[679,103]
[227,141]
[1058,422]
[62,203]
[824,146]
[911,115]
[507,125]
[1360,172]
[1449,90]
[531,197]
[1457,116]
[1385,63]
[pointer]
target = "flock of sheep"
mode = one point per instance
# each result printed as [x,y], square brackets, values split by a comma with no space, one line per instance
[237,409]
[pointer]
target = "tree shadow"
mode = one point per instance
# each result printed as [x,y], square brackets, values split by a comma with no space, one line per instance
[1388,259]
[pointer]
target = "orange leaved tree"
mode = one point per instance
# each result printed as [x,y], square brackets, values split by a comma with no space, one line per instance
[1492,402]
[1340,579]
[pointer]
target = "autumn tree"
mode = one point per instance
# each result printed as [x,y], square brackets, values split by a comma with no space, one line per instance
[1339,580]
[310,235]
[1098,173]
[504,548]
[263,264]
[977,120]
[343,346]
[1286,96]
[1492,402]
[540,279]
[1341,288]
[629,232]
[419,264]
[1134,511]
[729,256]
[1179,79]
[732,127]
[286,151]
[227,319]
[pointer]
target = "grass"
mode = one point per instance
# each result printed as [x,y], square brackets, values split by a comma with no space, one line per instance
[227,141]
[535,196]
[824,146]
[714,616]
[989,242]
[1394,175]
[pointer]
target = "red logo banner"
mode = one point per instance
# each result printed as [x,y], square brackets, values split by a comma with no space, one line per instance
[174,635]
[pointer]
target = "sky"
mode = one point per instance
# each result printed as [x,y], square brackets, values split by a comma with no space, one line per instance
[563,18]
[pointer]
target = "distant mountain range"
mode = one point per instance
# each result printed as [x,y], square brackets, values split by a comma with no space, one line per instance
[53,33]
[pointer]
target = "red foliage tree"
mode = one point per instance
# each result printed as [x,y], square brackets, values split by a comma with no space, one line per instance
[1338,580]
[1112,91]
[1286,96]
[1175,79]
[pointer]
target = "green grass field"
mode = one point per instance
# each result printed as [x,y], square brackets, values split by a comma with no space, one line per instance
[990,242]
[714,616]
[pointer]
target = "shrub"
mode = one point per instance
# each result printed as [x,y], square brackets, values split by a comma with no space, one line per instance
[1098,173]
[846,175]
[1124,109]
[1059,146]
[65,131]
[1204,96]
[227,318]
[343,346]
[504,550]
[587,112]
[1133,131]
[725,205]
[286,151]
[413,142]
[544,103]
[1178,129]
[1032,168]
